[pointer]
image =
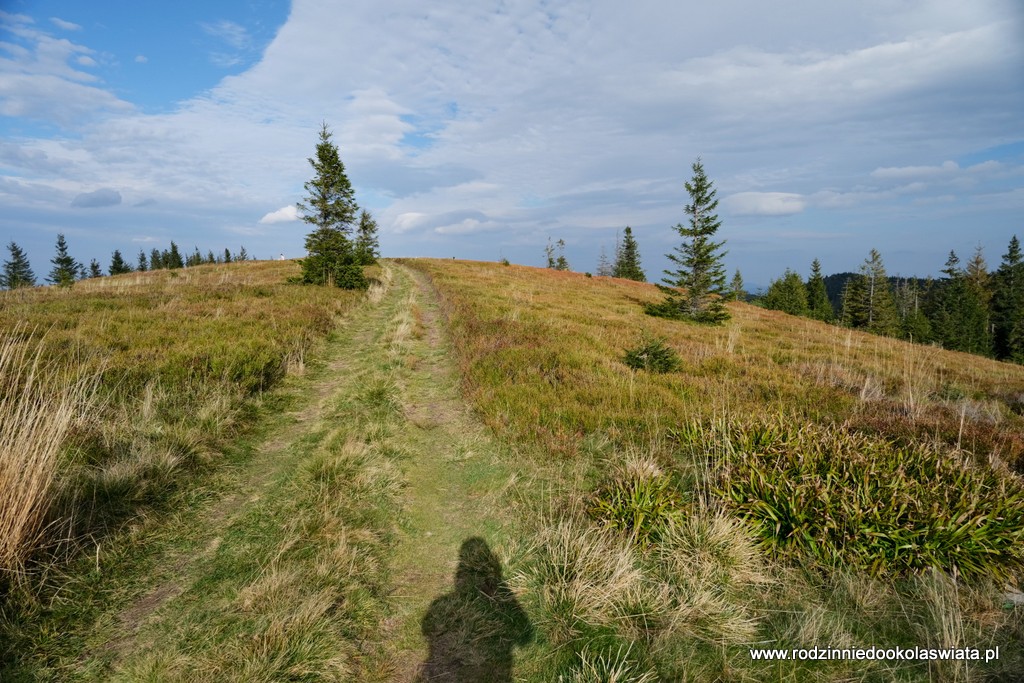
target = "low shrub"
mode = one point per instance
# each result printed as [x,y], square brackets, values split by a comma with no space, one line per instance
[653,355]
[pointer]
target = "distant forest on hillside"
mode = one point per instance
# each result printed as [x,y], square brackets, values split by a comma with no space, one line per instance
[969,308]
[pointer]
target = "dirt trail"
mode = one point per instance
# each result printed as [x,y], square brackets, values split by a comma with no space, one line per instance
[455,514]
[452,616]
[263,470]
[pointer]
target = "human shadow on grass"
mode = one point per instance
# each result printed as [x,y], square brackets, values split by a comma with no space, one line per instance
[472,630]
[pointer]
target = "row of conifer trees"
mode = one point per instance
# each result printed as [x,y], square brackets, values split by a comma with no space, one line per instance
[969,308]
[17,271]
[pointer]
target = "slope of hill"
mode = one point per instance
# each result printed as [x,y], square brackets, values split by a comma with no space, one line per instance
[788,485]
[793,485]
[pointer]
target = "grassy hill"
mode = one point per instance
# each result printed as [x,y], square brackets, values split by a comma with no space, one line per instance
[794,484]
[789,484]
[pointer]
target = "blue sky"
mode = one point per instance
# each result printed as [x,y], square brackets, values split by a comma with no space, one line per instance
[480,130]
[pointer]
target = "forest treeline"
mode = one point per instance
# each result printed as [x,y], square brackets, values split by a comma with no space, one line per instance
[66,270]
[969,308]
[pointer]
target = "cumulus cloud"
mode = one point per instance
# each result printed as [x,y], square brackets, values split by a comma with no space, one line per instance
[285,214]
[99,198]
[765,203]
[141,59]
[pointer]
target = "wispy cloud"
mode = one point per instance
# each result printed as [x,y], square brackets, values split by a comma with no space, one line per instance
[96,199]
[231,33]
[65,25]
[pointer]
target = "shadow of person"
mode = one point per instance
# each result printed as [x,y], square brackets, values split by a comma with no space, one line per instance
[472,630]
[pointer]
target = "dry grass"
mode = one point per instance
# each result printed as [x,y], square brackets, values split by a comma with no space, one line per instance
[540,353]
[39,406]
[173,358]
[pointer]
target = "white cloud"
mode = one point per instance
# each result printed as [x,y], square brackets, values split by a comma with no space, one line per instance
[765,203]
[41,83]
[285,214]
[533,120]
[141,59]
[65,25]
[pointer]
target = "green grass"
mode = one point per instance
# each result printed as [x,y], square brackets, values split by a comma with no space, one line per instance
[182,362]
[540,354]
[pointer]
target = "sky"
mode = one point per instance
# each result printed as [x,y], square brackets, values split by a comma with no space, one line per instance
[482,130]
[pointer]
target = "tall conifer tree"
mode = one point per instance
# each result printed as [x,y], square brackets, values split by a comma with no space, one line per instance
[1008,304]
[694,289]
[330,207]
[788,294]
[818,305]
[16,271]
[367,248]
[65,268]
[118,265]
[736,292]
[958,313]
[627,262]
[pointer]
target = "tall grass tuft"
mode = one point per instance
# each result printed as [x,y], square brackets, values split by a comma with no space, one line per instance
[39,405]
[842,498]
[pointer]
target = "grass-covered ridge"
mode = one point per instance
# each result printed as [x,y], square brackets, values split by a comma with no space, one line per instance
[655,554]
[172,358]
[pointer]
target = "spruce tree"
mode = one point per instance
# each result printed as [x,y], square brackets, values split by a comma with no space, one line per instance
[16,271]
[854,312]
[65,268]
[1008,303]
[627,262]
[736,292]
[367,248]
[788,294]
[118,265]
[173,258]
[243,255]
[958,314]
[156,260]
[142,265]
[818,305]
[94,269]
[914,324]
[330,207]
[227,255]
[878,303]
[210,257]
[694,289]
[604,265]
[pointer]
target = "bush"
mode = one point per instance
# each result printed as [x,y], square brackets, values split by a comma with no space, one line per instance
[654,356]
[847,499]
